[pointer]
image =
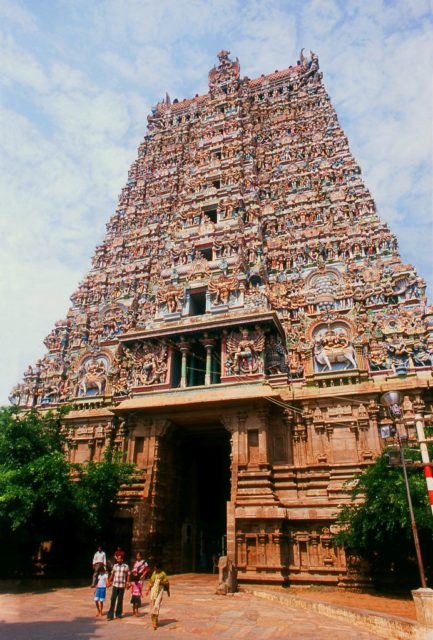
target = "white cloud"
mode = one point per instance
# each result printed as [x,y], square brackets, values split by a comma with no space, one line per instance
[18,66]
[11,12]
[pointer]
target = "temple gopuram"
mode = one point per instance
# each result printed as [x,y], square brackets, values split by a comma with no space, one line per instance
[241,319]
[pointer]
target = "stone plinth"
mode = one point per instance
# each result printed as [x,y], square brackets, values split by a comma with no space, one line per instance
[423,599]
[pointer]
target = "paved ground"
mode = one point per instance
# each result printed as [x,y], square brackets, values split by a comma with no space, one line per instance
[192,612]
[391,605]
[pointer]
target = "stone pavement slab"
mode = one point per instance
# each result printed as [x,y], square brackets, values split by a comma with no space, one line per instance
[192,612]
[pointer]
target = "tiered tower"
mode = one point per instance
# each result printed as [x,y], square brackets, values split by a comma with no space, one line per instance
[243,314]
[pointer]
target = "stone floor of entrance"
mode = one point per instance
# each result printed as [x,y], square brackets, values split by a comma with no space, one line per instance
[193,611]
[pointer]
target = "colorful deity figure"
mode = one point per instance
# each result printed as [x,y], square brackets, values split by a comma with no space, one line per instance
[245,351]
[92,376]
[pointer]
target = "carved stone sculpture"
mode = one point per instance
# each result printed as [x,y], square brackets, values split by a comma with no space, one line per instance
[245,351]
[227,576]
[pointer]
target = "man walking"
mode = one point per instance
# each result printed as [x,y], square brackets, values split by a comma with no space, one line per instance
[99,560]
[118,579]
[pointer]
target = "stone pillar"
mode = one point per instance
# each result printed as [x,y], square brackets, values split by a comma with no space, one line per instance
[231,532]
[242,438]
[288,420]
[373,433]
[261,551]
[208,375]
[91,447]
[279,552]
[300,437]
[241,556]
[231,424]
[263,415]
[184,349]
[99,447]
[208,301]
[208,344]
[73,451]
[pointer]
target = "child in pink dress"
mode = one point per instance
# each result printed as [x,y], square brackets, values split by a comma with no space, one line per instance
[136,591]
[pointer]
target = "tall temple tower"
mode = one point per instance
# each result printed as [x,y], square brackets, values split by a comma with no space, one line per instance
[242,316]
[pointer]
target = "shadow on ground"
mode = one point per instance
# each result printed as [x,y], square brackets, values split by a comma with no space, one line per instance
[33,586]
[78,629]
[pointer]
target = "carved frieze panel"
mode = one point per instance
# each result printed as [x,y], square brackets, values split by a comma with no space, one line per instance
[142,364]
[333,348]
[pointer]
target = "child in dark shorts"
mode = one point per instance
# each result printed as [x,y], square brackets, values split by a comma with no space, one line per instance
[136,591]
[101,590]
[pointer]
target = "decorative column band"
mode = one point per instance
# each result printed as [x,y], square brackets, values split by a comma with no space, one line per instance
[419,425]
[429,480]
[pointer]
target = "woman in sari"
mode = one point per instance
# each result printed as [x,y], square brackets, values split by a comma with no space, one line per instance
[140,566]
[158,583]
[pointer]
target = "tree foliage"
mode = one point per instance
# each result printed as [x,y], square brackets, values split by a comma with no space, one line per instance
[96,489]
[377,526]
[43,497]
[34,476]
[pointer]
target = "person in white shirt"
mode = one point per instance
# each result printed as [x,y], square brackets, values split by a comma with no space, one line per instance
[101,590]
[99,560]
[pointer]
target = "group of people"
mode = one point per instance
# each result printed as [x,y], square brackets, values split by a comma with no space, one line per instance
[120,577]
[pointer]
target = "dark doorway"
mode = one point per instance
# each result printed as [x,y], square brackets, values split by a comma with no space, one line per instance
[122,536]
[206,253]
[197,304]
[212,213]
[201,457]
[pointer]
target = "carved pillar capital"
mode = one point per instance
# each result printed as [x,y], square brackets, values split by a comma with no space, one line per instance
[277,538]
[300,428]
[288,417]
[262,537]
[160,427]
[229,422]
[318,421]
[263,414]
[241,418]
[307,415]
[419,405]
[373,410]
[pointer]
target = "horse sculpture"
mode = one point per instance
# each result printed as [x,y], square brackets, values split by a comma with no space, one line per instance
[333,348]
[93,377]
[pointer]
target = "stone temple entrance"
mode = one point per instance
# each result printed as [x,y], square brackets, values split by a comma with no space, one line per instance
[197,492]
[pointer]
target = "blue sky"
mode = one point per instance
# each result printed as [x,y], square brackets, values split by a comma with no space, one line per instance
[78,78]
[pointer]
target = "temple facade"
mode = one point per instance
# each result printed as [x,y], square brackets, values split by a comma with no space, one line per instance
[240,321]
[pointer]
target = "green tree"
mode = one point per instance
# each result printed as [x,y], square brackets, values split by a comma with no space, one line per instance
[44,498]
[96,489]
[377,527]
